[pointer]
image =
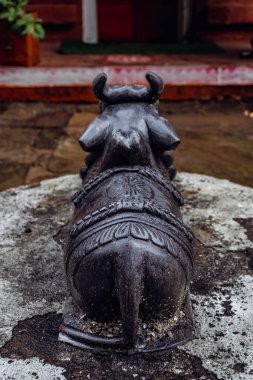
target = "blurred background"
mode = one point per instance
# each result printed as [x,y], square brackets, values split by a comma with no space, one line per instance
[51,51]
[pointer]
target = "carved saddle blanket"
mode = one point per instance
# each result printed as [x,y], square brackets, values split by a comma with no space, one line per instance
[130,202]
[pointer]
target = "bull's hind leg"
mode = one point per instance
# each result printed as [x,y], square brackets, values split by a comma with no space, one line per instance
[94,281]
[166,306]
[93,323]
[165,283]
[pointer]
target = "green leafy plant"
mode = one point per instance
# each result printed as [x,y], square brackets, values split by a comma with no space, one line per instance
[19,20]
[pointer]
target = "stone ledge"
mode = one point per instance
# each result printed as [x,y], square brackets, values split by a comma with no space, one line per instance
[33,226]
[190,81]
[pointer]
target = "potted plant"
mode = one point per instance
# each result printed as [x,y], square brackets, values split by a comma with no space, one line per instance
[20,34]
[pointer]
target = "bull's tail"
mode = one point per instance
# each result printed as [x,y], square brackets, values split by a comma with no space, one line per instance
[129,285]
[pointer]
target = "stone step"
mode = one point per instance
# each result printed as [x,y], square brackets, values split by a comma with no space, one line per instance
[74,83]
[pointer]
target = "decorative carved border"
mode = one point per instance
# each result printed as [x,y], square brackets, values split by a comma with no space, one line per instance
[131,205]
[146,172]
[165,238]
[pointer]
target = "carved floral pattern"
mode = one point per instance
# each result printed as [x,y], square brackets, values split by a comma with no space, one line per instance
[137,230]
[144,171]
[129,186]
[135,205]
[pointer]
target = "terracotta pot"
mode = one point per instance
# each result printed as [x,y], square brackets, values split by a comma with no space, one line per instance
[16,49]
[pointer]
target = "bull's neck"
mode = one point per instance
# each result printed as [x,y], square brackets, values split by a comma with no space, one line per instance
[146,172]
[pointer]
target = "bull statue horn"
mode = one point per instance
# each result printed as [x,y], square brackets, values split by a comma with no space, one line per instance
[98,86]
[156,85]
[125,94]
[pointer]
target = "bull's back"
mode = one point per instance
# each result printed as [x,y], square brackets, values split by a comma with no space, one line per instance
[128,219]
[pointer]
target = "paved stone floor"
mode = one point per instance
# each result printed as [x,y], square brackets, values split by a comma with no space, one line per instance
[40,140]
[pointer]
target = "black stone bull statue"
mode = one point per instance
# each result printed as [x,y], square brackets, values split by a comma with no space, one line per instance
[129,257]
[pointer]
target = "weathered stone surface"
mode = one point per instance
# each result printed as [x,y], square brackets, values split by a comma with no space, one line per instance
[224,320]
[214,206]
[30,369]
[33,226]
[30,218]
[224,316]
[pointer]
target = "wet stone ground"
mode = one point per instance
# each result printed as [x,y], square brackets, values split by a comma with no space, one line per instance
[33,227]
[39,140]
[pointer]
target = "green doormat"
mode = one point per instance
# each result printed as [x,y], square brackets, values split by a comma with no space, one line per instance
[78,47]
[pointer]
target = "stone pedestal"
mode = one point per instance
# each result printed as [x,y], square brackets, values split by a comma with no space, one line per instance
[33,227]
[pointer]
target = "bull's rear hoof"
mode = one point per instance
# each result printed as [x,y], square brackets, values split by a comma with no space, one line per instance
[87,334]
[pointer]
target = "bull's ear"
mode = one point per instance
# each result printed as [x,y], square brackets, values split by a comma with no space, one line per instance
[93,138]
[162,135]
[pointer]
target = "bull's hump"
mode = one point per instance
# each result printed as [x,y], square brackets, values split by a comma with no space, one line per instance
[132,185]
